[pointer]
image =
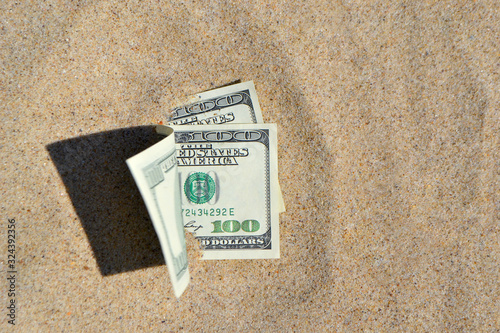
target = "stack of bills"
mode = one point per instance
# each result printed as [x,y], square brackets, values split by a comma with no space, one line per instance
[216,175]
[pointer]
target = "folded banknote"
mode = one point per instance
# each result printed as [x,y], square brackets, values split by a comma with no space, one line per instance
[215,175]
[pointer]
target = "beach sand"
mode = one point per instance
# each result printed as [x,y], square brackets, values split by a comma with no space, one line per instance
[389,162]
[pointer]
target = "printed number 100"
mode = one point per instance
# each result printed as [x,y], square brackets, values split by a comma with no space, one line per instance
[235,226]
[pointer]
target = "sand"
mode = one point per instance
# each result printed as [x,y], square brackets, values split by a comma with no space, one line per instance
[389,156]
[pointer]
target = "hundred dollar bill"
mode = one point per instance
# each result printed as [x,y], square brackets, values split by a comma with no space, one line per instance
[236,103]
[155,173]
[228,184]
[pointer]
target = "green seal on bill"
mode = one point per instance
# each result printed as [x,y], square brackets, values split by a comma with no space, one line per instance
[199,188]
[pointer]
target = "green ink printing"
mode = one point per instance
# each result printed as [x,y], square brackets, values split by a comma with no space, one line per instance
[199,188]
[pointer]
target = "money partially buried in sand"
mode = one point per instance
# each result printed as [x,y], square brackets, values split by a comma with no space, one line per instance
[221,183]
[216,181]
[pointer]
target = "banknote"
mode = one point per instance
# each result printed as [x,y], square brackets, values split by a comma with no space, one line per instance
[234,104]
[156,175]
[237,103]
[228,185]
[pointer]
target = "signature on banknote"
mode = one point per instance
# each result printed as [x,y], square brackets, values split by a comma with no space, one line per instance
[192,224]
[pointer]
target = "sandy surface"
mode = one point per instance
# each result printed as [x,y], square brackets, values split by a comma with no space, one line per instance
[389,156]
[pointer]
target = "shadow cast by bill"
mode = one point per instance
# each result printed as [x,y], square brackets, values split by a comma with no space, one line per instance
[106,198]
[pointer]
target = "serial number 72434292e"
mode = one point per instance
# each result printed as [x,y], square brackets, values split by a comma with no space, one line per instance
[208,212]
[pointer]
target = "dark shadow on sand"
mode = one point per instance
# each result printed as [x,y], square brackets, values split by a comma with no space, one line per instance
[106,199]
